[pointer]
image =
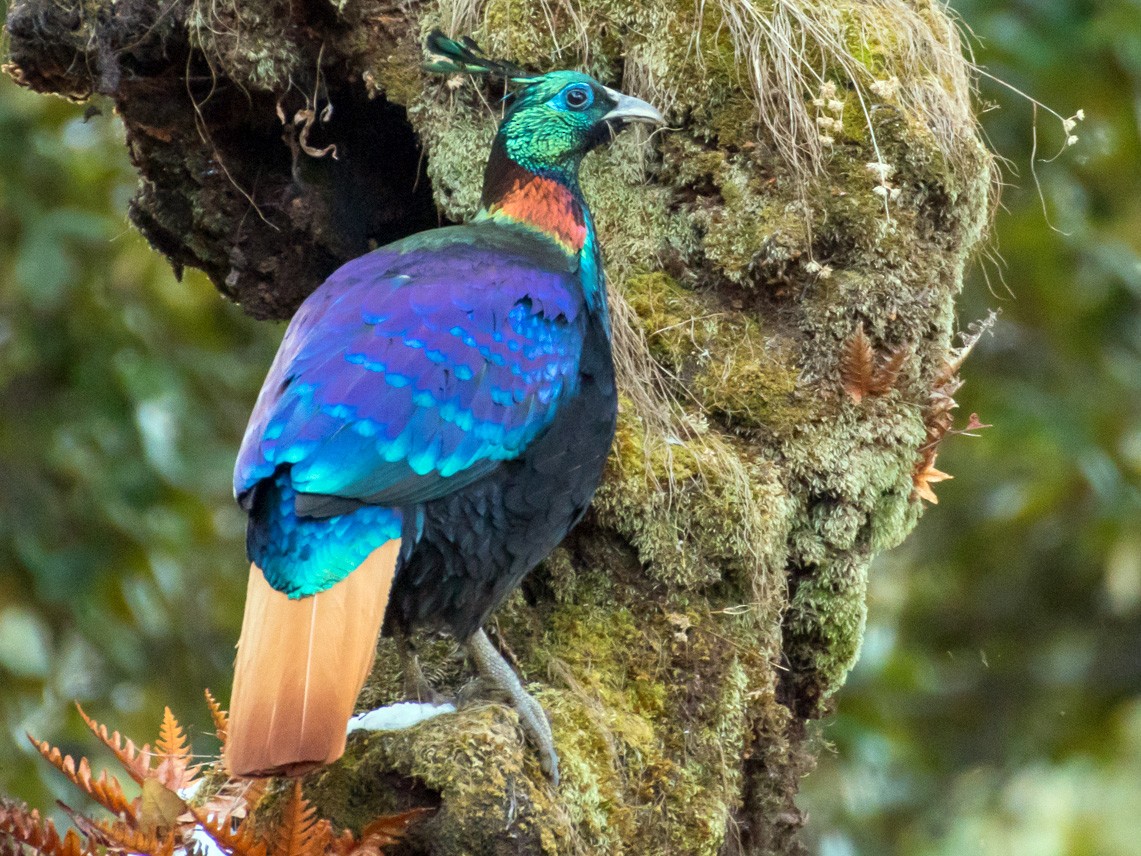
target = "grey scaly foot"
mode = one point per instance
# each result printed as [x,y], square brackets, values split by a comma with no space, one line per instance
[496,671]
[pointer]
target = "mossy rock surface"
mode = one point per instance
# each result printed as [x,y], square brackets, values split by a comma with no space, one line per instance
[714,598]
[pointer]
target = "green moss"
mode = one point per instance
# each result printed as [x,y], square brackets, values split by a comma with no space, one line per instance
[858,485]
[756,227]
[615,678]
[734,122]
[472,759]
[457,136]
[869,38]
[396,75]
[824,626]
[249,42]
[677,321]
[631,215]
[724,358]
[517,29]
[693,518]
[892,520]
[704,792]
[608,716]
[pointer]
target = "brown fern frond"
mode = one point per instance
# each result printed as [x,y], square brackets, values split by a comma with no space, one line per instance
[326,837]
[136,761]
[298,833]
[105,790]
[174,771]
[957,356]
[857,365]
[235,799]
[221,717]
[343,844]
[121,836]
[386,831]
[240,841]
[938,418]
[22,830]
[886,374]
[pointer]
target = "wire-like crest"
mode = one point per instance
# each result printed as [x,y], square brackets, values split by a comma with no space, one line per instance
[465,56]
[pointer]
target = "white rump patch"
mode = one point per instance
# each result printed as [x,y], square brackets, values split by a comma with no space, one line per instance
[396,717]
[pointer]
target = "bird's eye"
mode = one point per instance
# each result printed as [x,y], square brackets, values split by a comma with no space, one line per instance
[579,97]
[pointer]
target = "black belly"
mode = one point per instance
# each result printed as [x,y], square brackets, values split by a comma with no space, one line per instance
[473,547]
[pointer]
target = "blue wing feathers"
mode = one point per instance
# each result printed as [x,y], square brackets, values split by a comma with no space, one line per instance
[408,375]
[301,555]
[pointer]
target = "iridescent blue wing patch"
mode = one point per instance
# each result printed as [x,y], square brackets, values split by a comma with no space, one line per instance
[409,374]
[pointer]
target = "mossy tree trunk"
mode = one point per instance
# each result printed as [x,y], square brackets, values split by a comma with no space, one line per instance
[823,174]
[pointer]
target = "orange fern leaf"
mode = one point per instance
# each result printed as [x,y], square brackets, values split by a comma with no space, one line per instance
[299,833]
[221,718]
[171,738]
[174,771]
[24,829]
[326,838]
[238,842]
[388,830]
[137,762]
[105,790]
[379,834]
[344,844]
[926,477]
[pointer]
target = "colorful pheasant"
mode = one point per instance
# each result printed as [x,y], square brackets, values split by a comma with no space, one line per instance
[436,420]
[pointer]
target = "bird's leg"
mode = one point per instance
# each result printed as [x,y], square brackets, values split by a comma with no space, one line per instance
[496,672]
[394,717]
[416,686]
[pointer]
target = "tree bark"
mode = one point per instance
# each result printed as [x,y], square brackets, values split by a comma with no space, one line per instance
[823,174]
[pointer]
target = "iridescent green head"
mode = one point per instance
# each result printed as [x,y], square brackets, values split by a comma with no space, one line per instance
[556,118]
[553,119]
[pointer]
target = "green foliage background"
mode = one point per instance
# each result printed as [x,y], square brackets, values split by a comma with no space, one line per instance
[997,706]
[124,394]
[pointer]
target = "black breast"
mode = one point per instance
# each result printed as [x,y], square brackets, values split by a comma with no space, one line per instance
[473,547]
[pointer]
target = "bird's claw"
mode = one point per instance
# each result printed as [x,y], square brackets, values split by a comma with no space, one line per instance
[416,686]
[538,729]
[533,719]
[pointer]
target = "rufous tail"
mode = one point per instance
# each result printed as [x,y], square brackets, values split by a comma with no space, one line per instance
[301,664]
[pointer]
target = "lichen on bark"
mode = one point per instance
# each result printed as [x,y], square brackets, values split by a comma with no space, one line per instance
[822,171]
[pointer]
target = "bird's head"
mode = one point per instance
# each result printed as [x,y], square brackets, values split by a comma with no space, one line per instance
[552,119]
[556,118]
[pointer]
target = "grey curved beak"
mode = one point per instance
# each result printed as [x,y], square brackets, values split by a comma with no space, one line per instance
[630,109]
